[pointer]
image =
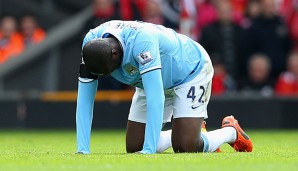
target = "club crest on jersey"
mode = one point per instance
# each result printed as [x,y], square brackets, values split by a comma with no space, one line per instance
[144,58]
[130,69]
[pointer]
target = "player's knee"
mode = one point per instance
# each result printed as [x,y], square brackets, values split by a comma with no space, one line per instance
[187,146]
[183,148]
[132,148]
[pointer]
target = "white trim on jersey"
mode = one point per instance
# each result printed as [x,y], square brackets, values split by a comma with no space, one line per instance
[150,69]
[85,80]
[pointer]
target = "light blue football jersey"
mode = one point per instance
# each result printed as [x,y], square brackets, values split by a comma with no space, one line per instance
[147,47]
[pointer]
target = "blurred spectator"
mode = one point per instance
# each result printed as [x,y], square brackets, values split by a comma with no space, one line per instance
[289,10]
[152,12]
[31,33]
[103,11]
[206,14]
[258,80]
[222,82]
[224,38]
[287,83]
[10,41]
[252,12]
[268,35]
[171,12]
[132,9]
[238,7]
[187,19]
[165,12]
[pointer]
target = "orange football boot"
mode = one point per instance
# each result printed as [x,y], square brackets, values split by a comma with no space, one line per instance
[205,130]
[243,143]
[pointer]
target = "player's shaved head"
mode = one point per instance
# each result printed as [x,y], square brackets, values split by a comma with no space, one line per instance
[101,56]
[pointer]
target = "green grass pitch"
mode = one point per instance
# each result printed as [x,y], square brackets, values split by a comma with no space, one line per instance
[54,150]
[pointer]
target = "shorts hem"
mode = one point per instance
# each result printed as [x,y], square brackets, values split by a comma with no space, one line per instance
[189,116]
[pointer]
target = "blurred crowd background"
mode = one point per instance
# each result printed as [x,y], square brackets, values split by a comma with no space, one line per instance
[253,43]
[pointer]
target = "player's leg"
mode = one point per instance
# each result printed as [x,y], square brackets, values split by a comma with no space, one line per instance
[135,130]
[165,142]
[231,133]
[190,108]
[186,134]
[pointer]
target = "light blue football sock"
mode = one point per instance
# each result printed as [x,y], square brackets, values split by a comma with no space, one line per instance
[206,143]
[214,139]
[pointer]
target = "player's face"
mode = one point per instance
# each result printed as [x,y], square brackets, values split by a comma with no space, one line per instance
[103,71]
[104,66]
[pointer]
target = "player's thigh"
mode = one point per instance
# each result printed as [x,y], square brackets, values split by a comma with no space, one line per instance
[186,134]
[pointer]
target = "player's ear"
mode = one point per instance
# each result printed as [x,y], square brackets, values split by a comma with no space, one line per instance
[116,59]
[114,52]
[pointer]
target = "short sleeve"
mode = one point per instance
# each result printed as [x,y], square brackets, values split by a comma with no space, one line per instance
[146,52]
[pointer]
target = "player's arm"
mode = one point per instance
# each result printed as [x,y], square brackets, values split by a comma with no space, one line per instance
[153,86]
[146,52]
[87,89]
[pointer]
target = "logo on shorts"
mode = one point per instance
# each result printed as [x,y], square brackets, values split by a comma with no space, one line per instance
[195,106]
[144,58]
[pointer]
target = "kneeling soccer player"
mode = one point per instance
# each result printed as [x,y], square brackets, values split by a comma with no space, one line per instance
[172,75]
